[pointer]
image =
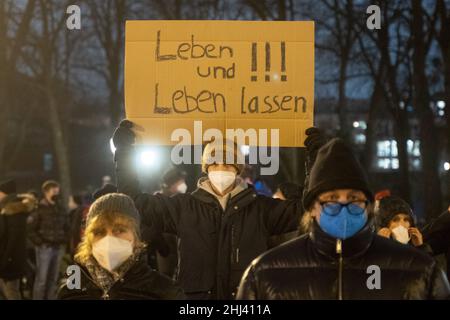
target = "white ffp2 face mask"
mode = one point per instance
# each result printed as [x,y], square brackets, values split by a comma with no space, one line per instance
[222,180]
[110,252]
[182,188]
[401,234]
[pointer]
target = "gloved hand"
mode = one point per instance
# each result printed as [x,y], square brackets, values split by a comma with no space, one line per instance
[314,141]
[123,136]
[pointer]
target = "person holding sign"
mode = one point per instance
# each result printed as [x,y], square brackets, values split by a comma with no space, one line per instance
[221,226]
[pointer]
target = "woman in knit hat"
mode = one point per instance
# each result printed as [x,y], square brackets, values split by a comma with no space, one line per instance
[397,221]
[111,257]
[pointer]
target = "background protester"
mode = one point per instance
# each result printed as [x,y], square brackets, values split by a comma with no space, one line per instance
[49,232]
[14,210]
[173,182]
[397,221]
[288,191]
[334,259]
[112,257]
[221,226]
[105,189]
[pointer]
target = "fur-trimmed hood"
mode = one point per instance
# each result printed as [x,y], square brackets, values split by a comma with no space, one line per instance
[18,203]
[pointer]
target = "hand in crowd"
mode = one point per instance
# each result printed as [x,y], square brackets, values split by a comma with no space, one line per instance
[416,237]
[384,232]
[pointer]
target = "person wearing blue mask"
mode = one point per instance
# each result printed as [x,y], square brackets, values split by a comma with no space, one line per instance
[340,256]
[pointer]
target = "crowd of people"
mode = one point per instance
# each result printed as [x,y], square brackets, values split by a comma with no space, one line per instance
[224,240]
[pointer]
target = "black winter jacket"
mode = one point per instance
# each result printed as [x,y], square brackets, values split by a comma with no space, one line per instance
[310,268]
[437,235]
[215,246]
[138,283]
[14,210]
[48,225]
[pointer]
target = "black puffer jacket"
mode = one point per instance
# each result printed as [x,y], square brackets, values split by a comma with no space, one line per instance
[14,210]
[138,283]
[310,268]
[437,235]
[48,225]
[215,245]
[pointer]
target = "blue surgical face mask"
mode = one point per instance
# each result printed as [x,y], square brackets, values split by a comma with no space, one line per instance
[344,224]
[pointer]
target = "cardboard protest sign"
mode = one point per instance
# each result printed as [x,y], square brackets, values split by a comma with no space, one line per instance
[227,74]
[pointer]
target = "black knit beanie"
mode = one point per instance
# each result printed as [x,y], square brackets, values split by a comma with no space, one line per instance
[389,207]
[335,167]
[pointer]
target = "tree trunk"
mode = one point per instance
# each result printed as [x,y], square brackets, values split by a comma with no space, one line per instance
[115,104]
[49,76]
[59,143]
[393,101]
[401,133]
[428,133]
[376,99]
[342,97]
[3,83]
[8,68]
[444,44]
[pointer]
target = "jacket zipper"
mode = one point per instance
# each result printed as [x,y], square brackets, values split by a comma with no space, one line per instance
[339,251]
[234,251]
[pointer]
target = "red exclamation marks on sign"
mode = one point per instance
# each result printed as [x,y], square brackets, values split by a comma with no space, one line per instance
[283,61]
[267,77]
[254,76]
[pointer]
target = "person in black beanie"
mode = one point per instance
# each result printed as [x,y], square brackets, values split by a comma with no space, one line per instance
[396,220]
[341,257]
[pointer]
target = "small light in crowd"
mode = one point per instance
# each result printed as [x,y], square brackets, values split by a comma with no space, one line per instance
[111,146]
[356,124]
[360,138]
[447,166]
[276,77]
[245,149]
[440,104]
[441,113]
